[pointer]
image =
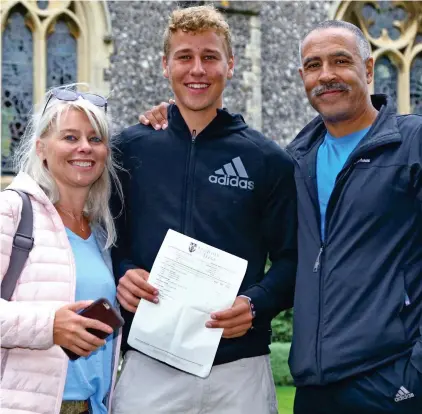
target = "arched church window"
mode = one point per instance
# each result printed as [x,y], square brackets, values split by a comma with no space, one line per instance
[47,44]
[416,85]
[394,31]
[386,77]
[17,81]
[383,18]
[61,55]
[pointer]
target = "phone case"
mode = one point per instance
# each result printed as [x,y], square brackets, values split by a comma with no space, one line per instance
[103,311]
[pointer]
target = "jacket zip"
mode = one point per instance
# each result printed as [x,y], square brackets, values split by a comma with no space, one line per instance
[189,186]
[344,173]
[318,259]
[317,267]
[341,178]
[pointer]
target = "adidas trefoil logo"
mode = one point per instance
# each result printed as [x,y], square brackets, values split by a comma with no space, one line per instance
[233,174]
[403,394]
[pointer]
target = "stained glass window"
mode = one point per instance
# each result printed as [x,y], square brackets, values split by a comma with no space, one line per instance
[416,85]
[384,16]
[385,77]
[394,31]
[42,4]
[61,55]
[17,84]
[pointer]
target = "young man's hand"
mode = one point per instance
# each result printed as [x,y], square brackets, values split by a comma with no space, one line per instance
[236,321]
[156,116]
[133,287]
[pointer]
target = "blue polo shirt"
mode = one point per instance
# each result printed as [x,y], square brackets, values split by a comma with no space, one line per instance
[332,155]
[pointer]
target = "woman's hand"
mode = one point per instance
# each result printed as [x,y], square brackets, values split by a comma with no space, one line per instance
[69,330]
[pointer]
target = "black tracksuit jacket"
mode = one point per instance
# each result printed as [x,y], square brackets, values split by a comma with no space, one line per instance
[228,187]
[358,298]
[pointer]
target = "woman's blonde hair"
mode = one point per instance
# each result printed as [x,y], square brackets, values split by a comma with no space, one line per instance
[27,160]
[198,19]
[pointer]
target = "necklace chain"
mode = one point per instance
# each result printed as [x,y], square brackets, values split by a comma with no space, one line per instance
[73,216]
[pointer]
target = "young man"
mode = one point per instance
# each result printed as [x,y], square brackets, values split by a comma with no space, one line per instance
[357,344]
[211,177]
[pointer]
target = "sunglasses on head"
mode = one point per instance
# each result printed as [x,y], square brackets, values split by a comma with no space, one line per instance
[69,95]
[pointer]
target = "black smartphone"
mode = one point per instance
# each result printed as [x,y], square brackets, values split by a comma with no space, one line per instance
[103,311]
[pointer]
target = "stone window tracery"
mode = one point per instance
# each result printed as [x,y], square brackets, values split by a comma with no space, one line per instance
[394,31]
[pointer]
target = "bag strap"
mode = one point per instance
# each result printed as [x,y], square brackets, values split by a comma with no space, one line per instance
[23,242]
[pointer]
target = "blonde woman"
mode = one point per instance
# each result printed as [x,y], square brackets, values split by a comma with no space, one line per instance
[65,165]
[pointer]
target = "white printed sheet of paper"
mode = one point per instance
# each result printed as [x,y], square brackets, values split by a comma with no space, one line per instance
[193,279]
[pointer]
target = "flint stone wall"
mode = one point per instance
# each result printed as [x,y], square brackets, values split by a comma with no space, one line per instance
[266,87]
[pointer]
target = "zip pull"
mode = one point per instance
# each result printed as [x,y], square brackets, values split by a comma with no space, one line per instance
[318,260]
[193,136]
[406,299]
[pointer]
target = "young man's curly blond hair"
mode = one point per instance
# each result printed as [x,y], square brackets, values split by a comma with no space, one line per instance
[198,19]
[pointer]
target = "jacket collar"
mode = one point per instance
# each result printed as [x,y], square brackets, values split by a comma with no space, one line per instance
[383,131]
[26,183]
[225,123]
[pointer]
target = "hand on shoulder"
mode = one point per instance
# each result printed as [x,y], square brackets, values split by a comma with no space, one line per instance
[156,116]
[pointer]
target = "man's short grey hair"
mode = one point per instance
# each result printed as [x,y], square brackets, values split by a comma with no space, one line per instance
[43,120]
[361,41]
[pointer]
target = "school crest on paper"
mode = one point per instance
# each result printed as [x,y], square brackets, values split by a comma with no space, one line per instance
[192,247]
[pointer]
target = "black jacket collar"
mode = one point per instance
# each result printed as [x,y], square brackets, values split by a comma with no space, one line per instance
[222,125]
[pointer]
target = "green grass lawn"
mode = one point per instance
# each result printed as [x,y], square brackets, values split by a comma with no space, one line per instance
[285,397]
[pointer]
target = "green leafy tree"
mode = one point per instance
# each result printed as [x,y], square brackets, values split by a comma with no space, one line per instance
[282,327]
[279,363]
[282,324]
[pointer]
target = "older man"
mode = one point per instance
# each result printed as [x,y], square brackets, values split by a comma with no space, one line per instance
[357,345]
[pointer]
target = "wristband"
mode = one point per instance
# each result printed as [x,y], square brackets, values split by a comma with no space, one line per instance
[251,305]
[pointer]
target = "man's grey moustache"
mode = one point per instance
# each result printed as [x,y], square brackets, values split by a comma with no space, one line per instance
[319,90]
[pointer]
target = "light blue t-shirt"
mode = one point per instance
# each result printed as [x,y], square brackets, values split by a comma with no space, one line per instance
[332,155]
[90,378]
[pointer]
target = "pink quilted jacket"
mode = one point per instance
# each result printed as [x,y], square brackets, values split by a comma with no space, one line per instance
[33,369]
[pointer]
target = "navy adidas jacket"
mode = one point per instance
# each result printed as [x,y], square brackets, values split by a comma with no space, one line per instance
[228,187]
[358,298]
